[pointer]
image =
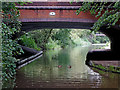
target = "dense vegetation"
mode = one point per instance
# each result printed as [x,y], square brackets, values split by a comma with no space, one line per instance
[108,13]
[10,47]
[29,42]
[60,38]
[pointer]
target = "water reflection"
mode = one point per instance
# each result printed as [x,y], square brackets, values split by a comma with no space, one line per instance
[63,68]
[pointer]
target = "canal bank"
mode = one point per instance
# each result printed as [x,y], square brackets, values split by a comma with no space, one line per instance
[107,66]
[29,56]
[108,63]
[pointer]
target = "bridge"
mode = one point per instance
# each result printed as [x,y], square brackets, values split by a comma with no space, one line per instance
[39,15]
[54,15]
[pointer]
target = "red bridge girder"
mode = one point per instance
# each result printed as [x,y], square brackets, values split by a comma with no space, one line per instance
[63,11]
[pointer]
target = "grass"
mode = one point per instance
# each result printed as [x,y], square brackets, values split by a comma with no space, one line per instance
[107,69]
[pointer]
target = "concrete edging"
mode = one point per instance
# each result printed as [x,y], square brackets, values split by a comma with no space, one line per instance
[105,70]
[28,60]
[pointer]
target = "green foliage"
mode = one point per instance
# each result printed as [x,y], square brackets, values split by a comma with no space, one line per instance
[109,68]
[60,38]
[51,38]
[52,44]
[100,39]
[29,42]
[109,17]
[63,37]
[81,36]
[41,37]
[10,47]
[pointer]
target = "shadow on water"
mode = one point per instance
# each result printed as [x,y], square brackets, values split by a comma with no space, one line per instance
[63,69]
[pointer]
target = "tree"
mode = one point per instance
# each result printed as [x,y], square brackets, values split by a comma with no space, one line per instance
[108,13]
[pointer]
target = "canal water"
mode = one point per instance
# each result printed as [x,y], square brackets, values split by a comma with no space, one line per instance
[64,69]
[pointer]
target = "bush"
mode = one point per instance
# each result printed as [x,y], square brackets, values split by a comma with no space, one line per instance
[52,44]
[41,37]
[29,42]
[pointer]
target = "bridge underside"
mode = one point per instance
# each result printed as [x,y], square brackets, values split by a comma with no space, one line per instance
[28,26]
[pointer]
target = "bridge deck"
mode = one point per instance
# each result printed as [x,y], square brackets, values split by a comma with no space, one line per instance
[41,12]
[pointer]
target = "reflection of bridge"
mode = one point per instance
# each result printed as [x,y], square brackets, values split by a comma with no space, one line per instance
[40,15]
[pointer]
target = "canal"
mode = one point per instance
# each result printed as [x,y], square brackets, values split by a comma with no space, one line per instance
[63,69]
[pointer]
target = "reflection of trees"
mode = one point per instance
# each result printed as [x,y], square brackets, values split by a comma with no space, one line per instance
[46,69]
[78,60]
[47,66]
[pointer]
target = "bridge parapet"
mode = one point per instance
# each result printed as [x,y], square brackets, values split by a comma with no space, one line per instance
[62,11]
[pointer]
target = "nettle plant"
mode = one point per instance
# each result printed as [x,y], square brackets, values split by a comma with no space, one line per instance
[10,47]
[108,13]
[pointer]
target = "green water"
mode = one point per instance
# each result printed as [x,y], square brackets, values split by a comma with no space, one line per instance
[63,69]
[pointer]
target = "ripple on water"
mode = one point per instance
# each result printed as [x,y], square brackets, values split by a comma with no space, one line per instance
[44,72]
